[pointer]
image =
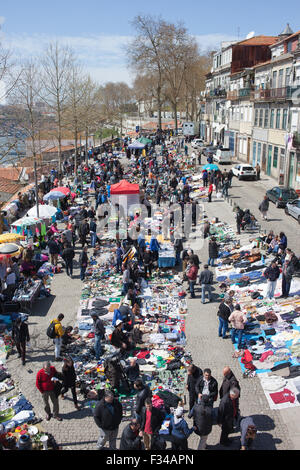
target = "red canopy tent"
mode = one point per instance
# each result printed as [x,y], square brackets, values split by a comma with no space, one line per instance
[126,195]
[124,187]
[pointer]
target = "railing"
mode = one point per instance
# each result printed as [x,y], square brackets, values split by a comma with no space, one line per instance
[270,94]
[217,92]
[232,95]
[244,92]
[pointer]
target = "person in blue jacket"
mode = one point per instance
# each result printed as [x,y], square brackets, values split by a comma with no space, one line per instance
[179,430]
[154,247]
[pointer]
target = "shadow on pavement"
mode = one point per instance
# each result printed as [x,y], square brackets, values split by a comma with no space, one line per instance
[41,307]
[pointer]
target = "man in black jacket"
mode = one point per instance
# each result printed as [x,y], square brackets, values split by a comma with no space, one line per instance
[194,374]
[223,314]
[143,392]
[84,230]
[99,331]
[83,262]
[229,381]
[203,420]
[108,416]
[68,255]
[227,414]
[131,439]
[207,385]
[20,335]
[151,421]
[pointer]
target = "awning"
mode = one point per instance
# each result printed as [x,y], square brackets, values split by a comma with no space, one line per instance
[124,187]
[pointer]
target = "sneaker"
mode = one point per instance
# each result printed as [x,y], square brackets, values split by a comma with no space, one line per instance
[48,417]
[57,418]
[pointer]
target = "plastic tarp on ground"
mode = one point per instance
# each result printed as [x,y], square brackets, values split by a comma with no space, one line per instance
[125,194]
[136,145]
[145,141]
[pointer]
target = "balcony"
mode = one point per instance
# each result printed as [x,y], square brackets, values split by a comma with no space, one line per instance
[271,94]
[244,92]
[233,95]
[238,94]
[216,93]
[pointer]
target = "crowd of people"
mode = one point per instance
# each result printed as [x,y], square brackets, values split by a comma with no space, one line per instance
[161,180]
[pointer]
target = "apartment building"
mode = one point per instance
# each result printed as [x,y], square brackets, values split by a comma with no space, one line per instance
[252,103]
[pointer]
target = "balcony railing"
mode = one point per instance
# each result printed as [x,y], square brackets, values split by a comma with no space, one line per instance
[218,92]
[232,95]
[271,94]
[237,94]
[244,92]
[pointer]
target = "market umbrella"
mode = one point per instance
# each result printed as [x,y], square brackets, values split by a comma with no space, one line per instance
[10,237]
[61,189]
[210,167]
[45,212]
[53,195]
[26,222]
[8,250]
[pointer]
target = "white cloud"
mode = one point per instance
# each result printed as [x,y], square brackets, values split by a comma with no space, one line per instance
[213,41]
[101,55]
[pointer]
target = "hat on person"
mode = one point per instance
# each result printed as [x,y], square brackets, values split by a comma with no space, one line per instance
[118,322]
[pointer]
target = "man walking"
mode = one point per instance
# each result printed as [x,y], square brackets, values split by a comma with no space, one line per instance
[206,280]
[83,262]
[227,414]
[20,335]
[68,255]
[264,207]
[192,278]
[229,381]
[93,232]
[151,421]
[59,332]
[224,313]
[108,416]
[99,331]
[45,383]
[203,419]
[193,375]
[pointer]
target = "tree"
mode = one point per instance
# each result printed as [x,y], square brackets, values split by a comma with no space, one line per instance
[117,99]
[57,65]
[179,52]
[144,53]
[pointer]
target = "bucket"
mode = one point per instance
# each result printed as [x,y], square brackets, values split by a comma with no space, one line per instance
[25,442]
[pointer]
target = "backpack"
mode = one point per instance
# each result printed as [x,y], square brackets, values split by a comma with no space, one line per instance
[51,330]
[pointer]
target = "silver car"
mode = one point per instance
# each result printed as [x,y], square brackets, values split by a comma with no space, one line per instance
[293,209]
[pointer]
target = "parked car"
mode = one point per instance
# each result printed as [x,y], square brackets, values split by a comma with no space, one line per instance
[281,195]
[222,155]
[244,171]
[197,143]
[293,209]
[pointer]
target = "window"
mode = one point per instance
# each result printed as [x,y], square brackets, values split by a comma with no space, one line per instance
[280,78]
[278,112]
[272,118]
[287,76]
[266,121]
[256,118]
[275,157]
[274,79]
[261,116]
[284,119]
[282,160]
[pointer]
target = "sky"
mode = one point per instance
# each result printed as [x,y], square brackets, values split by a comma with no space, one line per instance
[98,30]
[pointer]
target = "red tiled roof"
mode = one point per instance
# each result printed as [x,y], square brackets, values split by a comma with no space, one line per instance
[9,187]
[258,41]
[289,37]
[10,173]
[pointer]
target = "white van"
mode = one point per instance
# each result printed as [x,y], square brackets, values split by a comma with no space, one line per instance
[223,156]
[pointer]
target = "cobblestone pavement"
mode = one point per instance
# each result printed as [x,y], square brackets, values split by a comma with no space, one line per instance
[78,431]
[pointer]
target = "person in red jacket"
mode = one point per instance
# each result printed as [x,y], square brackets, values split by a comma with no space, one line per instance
[192,278]
[45,383]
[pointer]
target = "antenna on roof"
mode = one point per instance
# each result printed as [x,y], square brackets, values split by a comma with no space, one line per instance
[250,35]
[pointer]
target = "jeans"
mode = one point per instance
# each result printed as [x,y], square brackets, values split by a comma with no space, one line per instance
[271,289]
[73,390]
[119,265]
[235,331]
[192,286]
[82,273]
[223,327]
[21,348]
[93,239]
[125,288]
[98,347]
[286,285]
[57,343]
[212,260]
[205,288]
[110,436]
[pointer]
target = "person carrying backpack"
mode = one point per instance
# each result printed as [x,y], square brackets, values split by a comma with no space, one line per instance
[55,331]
